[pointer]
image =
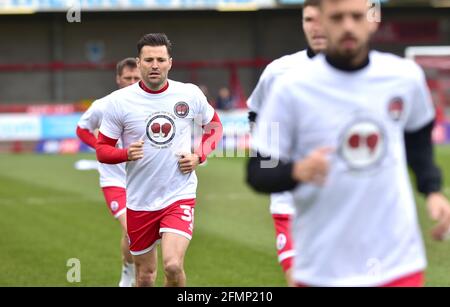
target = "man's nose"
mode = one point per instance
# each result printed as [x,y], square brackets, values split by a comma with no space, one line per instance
[349,23]
[316,27]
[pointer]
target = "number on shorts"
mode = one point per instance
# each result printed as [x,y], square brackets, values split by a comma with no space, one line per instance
[187,213]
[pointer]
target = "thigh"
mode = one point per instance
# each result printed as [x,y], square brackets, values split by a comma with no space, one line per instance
[177,226]
[179,219]
[143,231]
[173,247]
[147,261]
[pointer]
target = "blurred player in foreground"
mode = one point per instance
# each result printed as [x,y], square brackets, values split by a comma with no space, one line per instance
[339,143]
[282,204]
[113,177]
[155,119]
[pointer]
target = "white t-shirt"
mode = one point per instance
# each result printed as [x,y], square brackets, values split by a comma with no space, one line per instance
[111,175]
[359,228]
[280,203]
[165,121]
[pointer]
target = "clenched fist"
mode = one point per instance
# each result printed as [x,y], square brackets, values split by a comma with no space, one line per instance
[439,210]
[136,151]
[188,162]
[314,168]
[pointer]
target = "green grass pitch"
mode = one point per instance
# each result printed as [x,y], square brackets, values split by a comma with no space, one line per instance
[51,212]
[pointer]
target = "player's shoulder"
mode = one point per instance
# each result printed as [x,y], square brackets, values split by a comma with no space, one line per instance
[116,99]
[289,58]
[396,65]
[379,57]
[125,91]
[287,61]
[181,85]
[101,104]
[103,100]
[306,71]
[184,88]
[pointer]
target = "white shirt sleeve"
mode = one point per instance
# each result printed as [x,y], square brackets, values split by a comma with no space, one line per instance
[92,118]
[112,124]
[422,109]
[203,111]
[255,101]
[275,129]
[273,71]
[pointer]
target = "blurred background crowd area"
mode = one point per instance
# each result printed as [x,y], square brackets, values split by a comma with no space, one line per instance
[58,56]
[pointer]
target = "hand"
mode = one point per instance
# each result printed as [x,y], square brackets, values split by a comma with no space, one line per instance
[314,168]
[188,162]
[439,210]
[136,151]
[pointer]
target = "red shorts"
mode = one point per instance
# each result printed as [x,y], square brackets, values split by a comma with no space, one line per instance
[116,200]
[145,227]
[414,280]
[284,240]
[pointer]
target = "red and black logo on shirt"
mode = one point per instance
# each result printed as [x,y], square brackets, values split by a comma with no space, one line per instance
[181,109]
[160,129]
[396,108]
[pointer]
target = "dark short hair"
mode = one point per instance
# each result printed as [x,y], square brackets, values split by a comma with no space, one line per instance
[315,3]
[154,39]
[128,62]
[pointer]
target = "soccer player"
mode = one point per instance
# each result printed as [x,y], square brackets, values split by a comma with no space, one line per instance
[342,126]
[112,177]
[282,204]
[155,119]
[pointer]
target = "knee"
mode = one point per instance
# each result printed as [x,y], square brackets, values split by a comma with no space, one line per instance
[173,268]
[145,276]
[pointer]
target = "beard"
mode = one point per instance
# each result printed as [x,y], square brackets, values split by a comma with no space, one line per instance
[347,57]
